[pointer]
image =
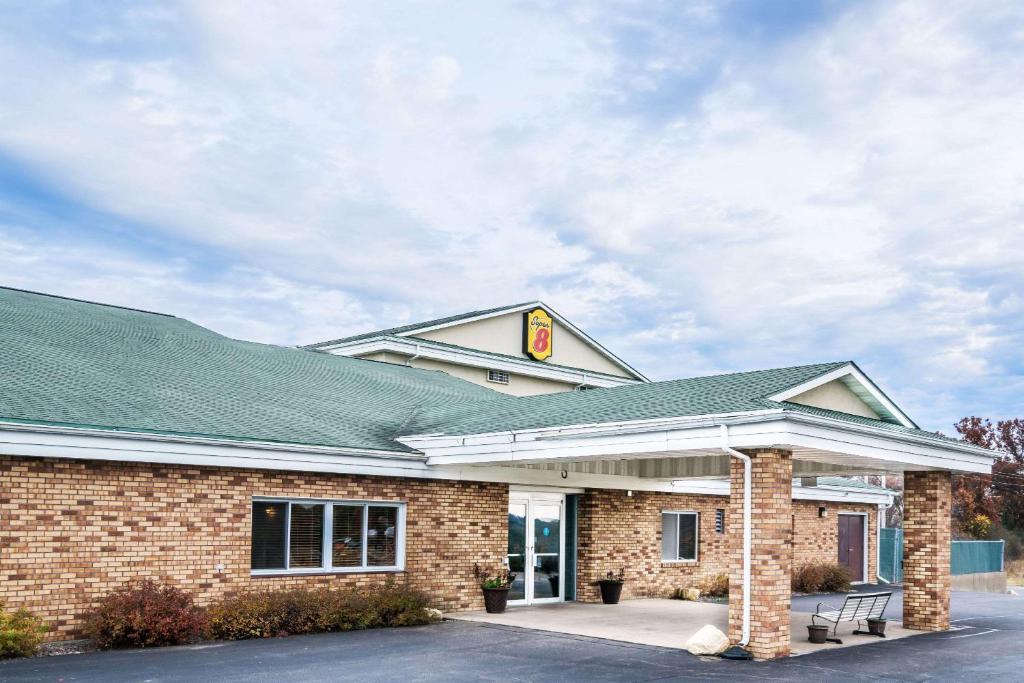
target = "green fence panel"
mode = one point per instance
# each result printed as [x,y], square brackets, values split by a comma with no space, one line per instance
[890,555]
[973,557]
[966,557]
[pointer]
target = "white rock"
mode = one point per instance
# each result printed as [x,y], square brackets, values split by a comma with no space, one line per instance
[707,641]
[435,614]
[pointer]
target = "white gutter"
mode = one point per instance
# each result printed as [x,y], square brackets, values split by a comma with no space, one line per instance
[747,495]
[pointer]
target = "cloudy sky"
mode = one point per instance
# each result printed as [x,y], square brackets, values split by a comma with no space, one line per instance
[705,186]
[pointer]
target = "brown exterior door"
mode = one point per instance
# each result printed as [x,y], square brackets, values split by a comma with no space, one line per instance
[851,544]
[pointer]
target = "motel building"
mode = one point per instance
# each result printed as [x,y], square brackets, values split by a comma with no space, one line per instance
[136,444]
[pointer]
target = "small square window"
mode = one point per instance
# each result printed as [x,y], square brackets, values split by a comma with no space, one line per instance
[679,536]
[497,376]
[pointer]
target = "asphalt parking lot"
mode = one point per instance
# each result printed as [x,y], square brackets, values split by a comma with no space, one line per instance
[987,644]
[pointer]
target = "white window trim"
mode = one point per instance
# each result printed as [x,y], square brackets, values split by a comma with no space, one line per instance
[696,537]
[328,533]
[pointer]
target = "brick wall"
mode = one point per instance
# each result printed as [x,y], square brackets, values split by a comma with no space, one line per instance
[926,545]
[816,538]
[771,552]
[619,531]
[70,531]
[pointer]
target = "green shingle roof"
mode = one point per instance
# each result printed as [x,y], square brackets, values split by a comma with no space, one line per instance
[742,391]
[78,363]
[70,362]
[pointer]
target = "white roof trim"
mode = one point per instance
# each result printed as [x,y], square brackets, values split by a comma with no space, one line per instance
[859,384]
[40,441]
[525,307]
[700,436]
[836,494]
[461,356]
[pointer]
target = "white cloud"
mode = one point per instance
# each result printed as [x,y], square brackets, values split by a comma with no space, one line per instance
[706,201]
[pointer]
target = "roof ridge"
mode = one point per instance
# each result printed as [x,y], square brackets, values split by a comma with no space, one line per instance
[393,330]
[834,364]
[85,301]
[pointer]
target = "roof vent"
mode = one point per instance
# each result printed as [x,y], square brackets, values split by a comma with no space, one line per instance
[497,376]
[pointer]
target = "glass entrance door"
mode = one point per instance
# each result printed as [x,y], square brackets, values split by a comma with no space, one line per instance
[536,538]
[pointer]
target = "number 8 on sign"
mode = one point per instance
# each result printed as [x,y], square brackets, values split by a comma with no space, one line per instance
[540,340]
[538,328]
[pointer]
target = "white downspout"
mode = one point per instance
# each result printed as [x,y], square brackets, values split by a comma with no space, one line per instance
[413,357]
[747,495]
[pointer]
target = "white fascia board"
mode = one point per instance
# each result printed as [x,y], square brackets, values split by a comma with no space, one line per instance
[826,434]
[842,494]
[434,439]
[849,370]
[526,307]
[789,430]
[99,444]
[424,349]
[834,494]
[67,443]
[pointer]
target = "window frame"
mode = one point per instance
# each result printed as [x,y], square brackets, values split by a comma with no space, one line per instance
[498,376]
[328,533]
[696,536]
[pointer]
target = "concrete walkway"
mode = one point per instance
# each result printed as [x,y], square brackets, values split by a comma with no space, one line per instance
[651,621]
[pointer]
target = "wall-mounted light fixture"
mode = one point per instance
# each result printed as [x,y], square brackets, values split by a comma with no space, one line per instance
[823,511]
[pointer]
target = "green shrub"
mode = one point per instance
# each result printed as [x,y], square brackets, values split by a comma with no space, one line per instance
[266,614]
[21,632]
[394,604]
[716,587]
[145,614]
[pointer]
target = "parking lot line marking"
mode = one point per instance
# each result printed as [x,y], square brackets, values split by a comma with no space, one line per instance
[971,635]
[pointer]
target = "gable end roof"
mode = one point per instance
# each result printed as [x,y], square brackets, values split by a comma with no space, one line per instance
[438,323]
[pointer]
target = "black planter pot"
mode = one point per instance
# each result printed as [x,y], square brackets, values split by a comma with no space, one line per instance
[817,634]
[611,591]
[495,600]
[876,627]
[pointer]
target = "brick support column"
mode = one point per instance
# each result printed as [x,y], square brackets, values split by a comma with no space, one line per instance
[771,552]
[926,544]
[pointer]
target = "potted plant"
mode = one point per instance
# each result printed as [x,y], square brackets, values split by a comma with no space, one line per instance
[611,587]
[495,587]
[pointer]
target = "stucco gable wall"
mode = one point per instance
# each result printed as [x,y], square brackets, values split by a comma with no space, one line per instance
[504,334]
[835,396]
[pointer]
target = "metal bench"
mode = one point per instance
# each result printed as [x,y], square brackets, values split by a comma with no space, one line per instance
[858,607]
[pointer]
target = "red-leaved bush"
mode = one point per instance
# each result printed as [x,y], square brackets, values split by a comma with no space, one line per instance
[267,614]
[145,614]
[821,577]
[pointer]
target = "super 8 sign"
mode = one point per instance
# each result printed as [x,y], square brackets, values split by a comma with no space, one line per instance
[538,328]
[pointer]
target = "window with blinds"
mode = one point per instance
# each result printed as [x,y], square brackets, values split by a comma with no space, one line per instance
[306,536]
[347,548]
[311,536]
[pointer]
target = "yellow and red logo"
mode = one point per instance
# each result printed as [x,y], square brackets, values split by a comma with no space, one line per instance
[538,328]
